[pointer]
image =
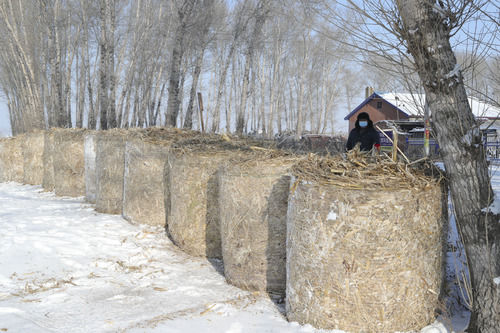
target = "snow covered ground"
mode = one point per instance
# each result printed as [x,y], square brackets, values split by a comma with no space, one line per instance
[66,268]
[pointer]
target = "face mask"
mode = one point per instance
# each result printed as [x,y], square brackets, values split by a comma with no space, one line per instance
[363,123]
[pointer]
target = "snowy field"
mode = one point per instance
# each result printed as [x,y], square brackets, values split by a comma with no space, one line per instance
[66,268]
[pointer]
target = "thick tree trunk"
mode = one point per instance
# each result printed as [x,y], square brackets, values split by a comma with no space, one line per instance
[459,138]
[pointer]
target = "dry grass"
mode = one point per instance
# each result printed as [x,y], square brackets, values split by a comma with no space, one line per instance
[253,202]
[90,166]
[143,192]
[364,245]
[48,161]
[33,148]
[110,157]
[11,159]
[192,205]
[69,162]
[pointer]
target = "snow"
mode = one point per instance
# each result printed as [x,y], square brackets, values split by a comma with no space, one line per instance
[332,216]
[455,72]
[66,268]
[496,280]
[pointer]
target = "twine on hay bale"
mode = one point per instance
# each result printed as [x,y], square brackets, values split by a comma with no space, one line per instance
[33,148]
[143,189]
[253,201]
[364,245]
[110,159]
[11,159]
[69,162]
[90,166]
[48,161]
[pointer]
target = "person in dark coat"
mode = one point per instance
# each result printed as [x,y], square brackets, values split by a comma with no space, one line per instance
[364,133]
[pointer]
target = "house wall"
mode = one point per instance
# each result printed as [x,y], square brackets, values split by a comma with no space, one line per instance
[386,112]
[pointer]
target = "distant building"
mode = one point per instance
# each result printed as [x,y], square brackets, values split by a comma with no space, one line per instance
[402,107]
[405,112]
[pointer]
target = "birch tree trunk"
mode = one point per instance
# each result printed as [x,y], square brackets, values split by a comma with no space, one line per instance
[173,104]
[426,30]
[261,15]
[103,68]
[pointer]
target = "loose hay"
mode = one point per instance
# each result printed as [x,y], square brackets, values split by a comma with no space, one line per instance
[11,159]
[253,201]
[33,148]
[364,246]
[143,189]
[110,160]
[48,161]
[69,162]
[193,220]
[90,167]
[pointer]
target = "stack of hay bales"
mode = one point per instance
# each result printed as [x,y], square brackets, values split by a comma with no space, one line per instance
[11,159]
[110,167]
[364,246]
[69,162]
[48,160]
[33,148]
[90,166]
[192,193]
[253,202]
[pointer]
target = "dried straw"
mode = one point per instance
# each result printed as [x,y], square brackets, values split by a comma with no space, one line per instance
[192,202]
[364,245]
[90,166]
[253,202]
[11,159]
[143,189]
[48,161]
[33,148]
[69,162]
[110,160]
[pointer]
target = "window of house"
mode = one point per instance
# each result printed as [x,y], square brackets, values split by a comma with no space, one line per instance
[379,105]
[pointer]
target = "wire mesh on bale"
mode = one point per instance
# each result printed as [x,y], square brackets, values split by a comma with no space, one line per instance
[48,161]
[253,202]
[90,166]
[69,162]
[192,195]
[143,189]
[364,245]
[11,159]
[33,148]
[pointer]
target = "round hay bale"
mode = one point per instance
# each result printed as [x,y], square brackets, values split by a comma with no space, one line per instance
[110,160]
[90,167]
[253,201]
[143,188]
[69,162]
[33,148]
[193,220]
[11,159]
[364,247]
[48,161]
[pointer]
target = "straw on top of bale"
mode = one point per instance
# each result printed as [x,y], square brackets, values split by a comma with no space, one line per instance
[359,170]
[364,245]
